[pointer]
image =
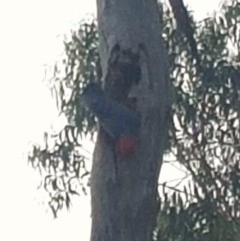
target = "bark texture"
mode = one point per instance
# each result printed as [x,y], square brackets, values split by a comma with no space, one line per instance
[134,63]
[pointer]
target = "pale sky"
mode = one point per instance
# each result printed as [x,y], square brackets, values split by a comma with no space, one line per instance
[29,39]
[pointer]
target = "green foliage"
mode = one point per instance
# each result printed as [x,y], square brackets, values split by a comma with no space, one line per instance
[62,166]
[62,161]
[203,136]
[80,66]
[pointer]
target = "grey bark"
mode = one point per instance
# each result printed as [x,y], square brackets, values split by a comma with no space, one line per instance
[124,198]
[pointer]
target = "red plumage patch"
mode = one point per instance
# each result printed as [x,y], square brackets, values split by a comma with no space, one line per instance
[126,146]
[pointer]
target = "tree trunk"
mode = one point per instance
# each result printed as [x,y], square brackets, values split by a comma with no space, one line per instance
[134,64]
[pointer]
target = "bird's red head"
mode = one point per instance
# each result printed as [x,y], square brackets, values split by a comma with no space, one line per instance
[126,146]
